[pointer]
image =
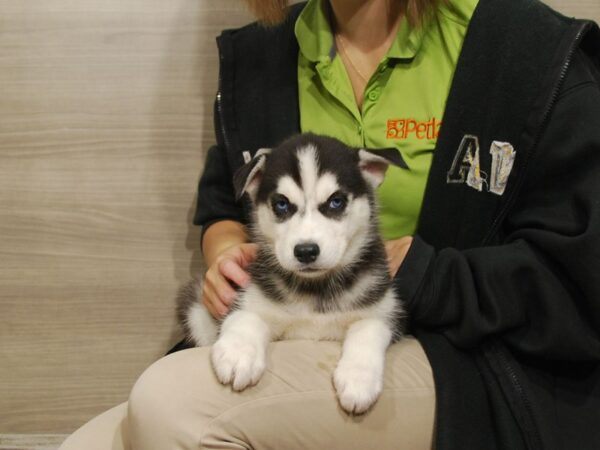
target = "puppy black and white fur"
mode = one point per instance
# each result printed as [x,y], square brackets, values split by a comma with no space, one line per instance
[321,270]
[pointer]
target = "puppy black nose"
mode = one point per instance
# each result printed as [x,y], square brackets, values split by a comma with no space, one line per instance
[306,253]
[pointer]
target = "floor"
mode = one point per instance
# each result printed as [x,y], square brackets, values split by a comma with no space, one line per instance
[31,441]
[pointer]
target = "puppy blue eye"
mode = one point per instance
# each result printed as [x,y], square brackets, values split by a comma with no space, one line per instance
[282,205]
[336,203]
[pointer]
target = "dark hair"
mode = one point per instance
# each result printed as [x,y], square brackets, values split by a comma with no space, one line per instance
[273,12]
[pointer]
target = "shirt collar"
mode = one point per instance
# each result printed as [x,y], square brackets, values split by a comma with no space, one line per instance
[316,43]
[314,33]
[408,40]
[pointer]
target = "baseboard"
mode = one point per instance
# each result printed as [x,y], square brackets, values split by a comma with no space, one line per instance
[31,441]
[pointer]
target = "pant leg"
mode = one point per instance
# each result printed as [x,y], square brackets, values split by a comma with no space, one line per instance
[108,431]
[179,404]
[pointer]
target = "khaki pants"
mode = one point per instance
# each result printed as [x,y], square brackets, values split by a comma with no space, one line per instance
[179,404]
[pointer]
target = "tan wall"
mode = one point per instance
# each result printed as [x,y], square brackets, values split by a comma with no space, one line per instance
[105,113]
[587,9]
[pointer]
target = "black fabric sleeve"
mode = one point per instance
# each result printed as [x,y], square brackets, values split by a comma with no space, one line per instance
[216,198]
[539,289]
[411,273]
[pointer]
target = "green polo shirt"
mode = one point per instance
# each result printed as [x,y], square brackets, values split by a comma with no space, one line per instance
[403,101]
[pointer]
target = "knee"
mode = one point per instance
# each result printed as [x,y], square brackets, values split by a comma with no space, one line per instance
[148,410]
[161,398]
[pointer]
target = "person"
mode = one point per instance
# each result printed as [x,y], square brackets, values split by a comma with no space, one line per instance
[493,235]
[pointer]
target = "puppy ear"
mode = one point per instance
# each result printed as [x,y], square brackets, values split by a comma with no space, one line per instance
[374,163]
[247,178]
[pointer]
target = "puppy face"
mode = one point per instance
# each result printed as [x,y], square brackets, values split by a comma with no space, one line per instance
[313,202]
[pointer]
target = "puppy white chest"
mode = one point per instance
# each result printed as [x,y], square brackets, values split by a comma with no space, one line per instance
[297,319]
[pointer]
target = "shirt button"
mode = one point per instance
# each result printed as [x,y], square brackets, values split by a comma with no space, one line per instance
[374,94]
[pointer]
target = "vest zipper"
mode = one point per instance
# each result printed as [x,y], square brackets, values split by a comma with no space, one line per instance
[221,118]
[499,354]
[545,119]
[220,113]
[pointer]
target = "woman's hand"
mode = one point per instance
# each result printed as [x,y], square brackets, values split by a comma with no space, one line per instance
[396,252]
[226,271]
[226,253]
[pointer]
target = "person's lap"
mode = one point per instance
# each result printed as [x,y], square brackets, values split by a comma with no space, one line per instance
[179,404]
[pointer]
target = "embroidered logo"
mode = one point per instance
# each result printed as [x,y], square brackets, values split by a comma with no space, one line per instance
[466,167]
[407,128]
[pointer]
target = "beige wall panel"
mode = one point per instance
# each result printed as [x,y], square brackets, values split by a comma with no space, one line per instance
[585,9]
[105,114]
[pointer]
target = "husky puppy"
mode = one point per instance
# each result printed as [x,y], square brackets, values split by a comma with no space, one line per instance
[321,270]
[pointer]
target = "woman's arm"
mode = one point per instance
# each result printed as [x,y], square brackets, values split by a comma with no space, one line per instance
[220,236]
[538,287]
[396,250]
[224,240]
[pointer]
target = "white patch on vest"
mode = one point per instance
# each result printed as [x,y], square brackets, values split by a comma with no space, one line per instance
[469,146]
[503,159]
[474,177]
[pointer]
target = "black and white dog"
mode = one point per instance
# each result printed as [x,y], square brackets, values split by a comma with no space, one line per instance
[321,270]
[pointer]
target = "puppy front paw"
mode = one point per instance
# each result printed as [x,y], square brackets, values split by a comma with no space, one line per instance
[238,362]
[357,385]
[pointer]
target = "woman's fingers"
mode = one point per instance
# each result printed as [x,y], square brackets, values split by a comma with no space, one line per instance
[248,253]
[225,273]
[231,270]
[219,291]
[215,306]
